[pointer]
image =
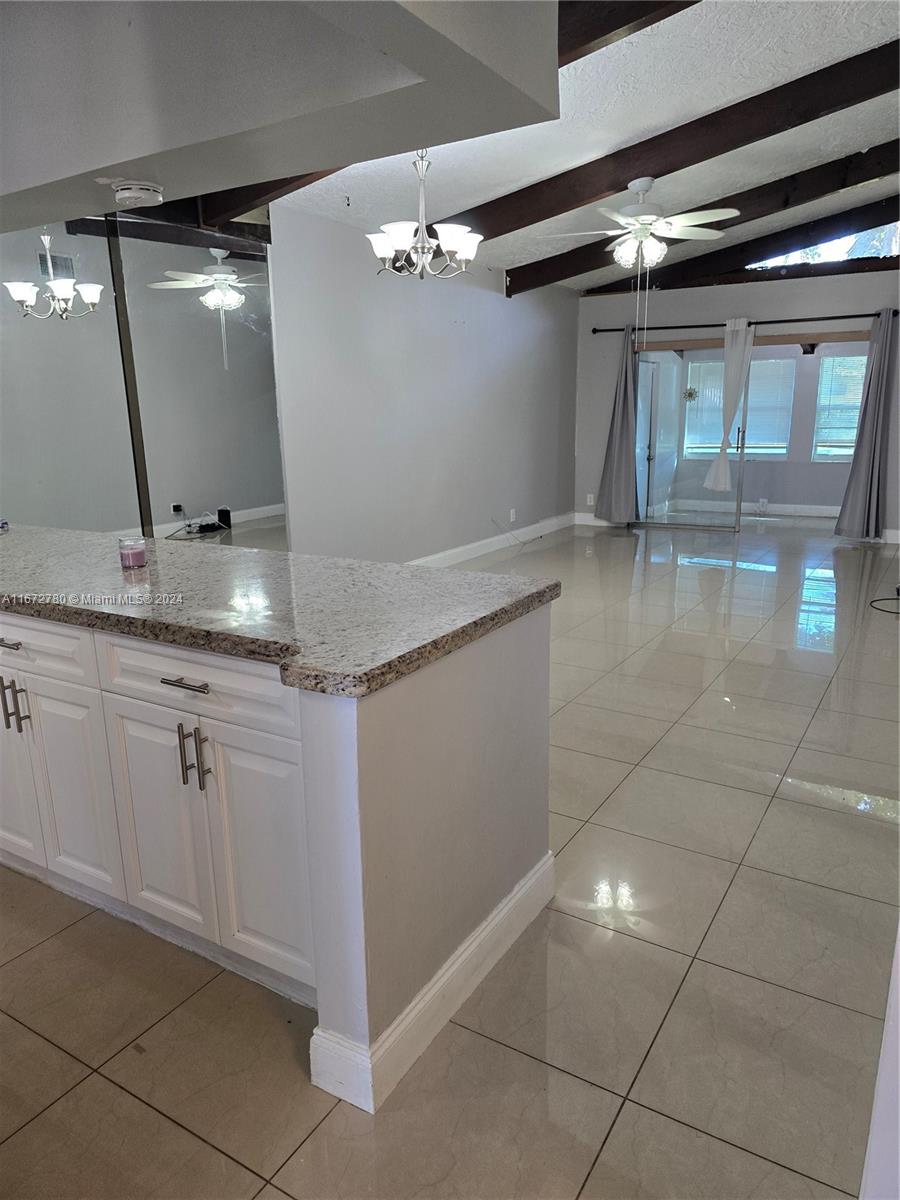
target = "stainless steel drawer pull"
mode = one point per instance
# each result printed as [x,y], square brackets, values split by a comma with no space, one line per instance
[186,767]
[202,771]
[181,682]
[18,715]
[7,715]
[6,645]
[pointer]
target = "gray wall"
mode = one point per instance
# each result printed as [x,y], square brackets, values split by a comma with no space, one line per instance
[413,412]
[65,450]
[598,361]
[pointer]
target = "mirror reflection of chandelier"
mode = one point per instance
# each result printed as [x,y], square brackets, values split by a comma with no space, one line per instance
[404,247]
[60,293]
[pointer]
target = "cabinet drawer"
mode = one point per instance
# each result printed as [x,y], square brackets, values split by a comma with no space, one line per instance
[47,648]
[236,690]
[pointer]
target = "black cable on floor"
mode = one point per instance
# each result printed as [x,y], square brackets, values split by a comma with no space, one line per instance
[879,600]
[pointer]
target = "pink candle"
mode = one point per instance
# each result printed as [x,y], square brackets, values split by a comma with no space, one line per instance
[132,552]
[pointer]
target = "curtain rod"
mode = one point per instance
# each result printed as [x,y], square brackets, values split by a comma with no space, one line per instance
[721,324]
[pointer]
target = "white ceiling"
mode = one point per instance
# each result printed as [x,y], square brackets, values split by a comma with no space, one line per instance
[706,57]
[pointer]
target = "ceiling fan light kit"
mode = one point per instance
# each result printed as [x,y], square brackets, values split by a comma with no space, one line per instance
[60,293]
[404,247]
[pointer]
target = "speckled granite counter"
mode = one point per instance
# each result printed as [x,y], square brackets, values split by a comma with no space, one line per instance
[333,625]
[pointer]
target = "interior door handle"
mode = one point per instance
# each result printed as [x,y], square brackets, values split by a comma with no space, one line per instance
[202,771]
[186,767]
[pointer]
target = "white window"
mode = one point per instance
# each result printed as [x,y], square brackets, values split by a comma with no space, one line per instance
[837,406]
[769,404]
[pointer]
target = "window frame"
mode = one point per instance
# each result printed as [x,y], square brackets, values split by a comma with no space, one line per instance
[847,456]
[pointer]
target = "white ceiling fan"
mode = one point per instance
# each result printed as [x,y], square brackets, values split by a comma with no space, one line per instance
[223,288]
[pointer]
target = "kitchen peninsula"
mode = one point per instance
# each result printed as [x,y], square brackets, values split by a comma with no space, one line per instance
[329,775]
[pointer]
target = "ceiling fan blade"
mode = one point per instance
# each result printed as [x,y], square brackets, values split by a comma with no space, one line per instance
[584,233]
[185,275]
[694,233]
[241,284]
[616,241]
[625,222]
[703,215]
[255,275]
[178,283]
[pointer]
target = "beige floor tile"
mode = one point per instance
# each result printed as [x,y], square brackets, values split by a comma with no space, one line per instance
[847,784]
[562,830]
[232,1065]
[749,716]
[698,645]
[99,1143]
[32,1074]
[722,623]
[836,849]
[593,656]
[781,1075]
[642,697]
[471,1119]
[706,817]
[581,782]
[618,633]
[582,998]
[568,682]
[662,666]
[30,912]
[271,1193]
[621,736]
[95,986]
[741,762]
[636,608]
[649,1157]
[555,705]
[872,668]
[858,737]
[769,683]
[789,658]
[863,698]
[804,633]
[809,938]
[659,893]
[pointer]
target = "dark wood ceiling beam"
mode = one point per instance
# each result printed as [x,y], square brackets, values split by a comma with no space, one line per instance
[800,188]
[586,25]
[730,259]
[842,85]
[218,208]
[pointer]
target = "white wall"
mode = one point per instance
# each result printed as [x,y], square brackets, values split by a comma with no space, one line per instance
[599,356]
[413,412]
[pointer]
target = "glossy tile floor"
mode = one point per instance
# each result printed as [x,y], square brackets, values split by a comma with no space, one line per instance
[696,1016]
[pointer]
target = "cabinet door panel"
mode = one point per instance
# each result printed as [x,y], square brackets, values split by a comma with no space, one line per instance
[162,821]
[20,822]
[74,785]
[258,828]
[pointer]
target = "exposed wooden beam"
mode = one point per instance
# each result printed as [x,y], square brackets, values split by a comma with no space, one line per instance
[712,266]
[763,201]
[218,208]
[853,81]
[172,234]
[819,270]
[587,25]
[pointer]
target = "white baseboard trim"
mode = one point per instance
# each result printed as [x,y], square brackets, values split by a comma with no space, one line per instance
[239,514]
[458,554]
[586,518]
[366,1075]
[891,535]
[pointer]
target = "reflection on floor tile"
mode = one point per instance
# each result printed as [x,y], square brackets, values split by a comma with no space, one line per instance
[642,697]
[706,817]
[789,658]
[660,893]
[562,830]
[776,1073]
[594,656]
[580,782]
[621,736]
[749,716]
[32,1075]
[97,1137]
[769,683]
[836,849]
[809,938]
[847,784]
[95,986]
[649,1157]
[858,737]
[31,912]
[470,1119]
[699,645]
[232,1065]
[578,997]
[862,698]
[618,633]
[740,762]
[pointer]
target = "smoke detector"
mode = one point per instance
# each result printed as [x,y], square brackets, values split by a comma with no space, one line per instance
[134,194]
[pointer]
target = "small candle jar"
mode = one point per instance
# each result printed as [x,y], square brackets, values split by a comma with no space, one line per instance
[132,552]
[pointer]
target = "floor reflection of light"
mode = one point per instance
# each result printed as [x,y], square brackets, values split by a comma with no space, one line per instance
[692,560]
[816,616]
[622,900]
[250,603]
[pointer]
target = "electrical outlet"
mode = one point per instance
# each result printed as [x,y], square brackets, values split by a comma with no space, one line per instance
[177,509]
[590,499]
[512,516]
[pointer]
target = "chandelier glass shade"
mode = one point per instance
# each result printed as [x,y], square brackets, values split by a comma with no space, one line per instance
[60,294]
[405,248]
[222,298]
[640,247]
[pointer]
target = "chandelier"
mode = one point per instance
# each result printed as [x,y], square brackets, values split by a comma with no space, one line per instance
[404,247]
[60,293]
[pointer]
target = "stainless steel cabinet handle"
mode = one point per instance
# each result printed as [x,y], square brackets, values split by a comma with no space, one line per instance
[10,645]
[181,682]
[186,767]
[18,715]
[7,715]
[202,771]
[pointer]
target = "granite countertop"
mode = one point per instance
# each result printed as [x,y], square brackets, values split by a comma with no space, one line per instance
[333,625]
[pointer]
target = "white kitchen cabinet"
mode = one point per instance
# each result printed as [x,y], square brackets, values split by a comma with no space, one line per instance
[258,830]
[73,782]
[163,822]
[20,820]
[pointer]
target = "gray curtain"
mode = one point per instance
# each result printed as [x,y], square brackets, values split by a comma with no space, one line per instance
[617,492]
[862,512]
